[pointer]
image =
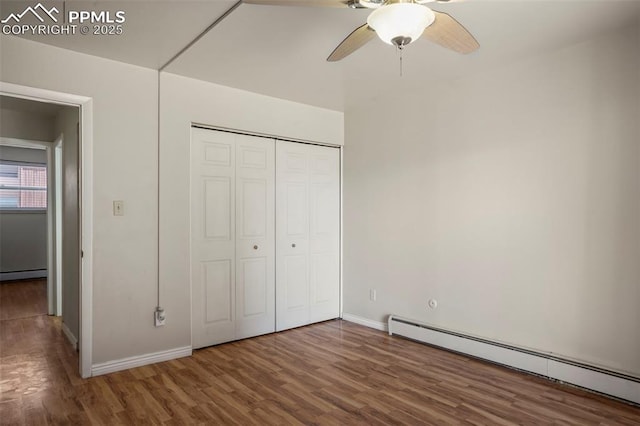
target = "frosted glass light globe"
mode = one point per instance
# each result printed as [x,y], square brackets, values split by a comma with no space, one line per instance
[405,20]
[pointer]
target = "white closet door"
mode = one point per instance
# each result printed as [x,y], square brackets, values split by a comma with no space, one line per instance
[232,192]
[213,268]
[255,236]
[324,233]
[308,230]
[292,239]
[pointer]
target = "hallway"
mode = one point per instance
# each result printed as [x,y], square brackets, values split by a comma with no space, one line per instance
[37,362]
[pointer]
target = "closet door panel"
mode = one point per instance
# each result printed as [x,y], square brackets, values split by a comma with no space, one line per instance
[324,233]
[255,236]
[296,208]
[212,237]
[252,295]
[324,270]
[217,207]
[292,241]
[308,231]
[218,291]
[294,288]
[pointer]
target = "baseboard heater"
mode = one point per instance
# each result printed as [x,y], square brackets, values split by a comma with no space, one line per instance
[23,275]
[597,379]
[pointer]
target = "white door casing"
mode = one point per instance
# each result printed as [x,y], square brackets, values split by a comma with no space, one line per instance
[232,236]
[308,234]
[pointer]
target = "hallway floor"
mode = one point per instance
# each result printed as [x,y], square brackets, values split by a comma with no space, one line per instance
[36,359]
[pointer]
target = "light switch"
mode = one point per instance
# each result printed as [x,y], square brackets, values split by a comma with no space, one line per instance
[118,208]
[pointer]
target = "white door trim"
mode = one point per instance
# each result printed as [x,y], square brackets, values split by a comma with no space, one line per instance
[57,217]
[86,228]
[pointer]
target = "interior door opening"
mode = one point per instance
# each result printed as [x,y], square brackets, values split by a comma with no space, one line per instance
[40,217]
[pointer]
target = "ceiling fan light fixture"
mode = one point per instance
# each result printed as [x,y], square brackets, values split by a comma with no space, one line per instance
[400,22]
[372,4]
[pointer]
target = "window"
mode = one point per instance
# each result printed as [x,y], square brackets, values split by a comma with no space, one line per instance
[23,186]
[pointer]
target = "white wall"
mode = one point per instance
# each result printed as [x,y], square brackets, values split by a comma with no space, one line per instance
[186,101]
[26,125]
[125,168]
[513,198]
[66,125]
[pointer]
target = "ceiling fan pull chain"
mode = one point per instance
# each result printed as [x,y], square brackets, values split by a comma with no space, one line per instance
[399,48]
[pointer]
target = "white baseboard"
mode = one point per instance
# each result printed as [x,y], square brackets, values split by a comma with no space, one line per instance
[139,361]
[591,377]
[23,275]
[72,339]
[366,322]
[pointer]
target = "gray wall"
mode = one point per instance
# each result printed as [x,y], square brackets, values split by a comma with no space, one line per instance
[25,155]
[23,241]
[513,198]
[26,125]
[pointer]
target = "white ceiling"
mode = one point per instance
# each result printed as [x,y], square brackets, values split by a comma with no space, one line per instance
[281,51]
[154,31]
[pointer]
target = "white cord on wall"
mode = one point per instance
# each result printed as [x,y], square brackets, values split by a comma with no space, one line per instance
[159,314]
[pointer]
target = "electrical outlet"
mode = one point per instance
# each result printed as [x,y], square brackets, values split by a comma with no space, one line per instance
[372,295]
[159,317]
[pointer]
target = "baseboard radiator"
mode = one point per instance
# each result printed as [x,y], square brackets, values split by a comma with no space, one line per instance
[23,275]
[597,379]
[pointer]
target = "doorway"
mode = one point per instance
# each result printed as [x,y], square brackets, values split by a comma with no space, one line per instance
[39,215]
[69,117]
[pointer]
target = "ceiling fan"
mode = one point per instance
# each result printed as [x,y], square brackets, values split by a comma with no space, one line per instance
[396,22]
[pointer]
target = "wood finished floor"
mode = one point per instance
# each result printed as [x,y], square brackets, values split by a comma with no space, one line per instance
[21,299]
[334,373]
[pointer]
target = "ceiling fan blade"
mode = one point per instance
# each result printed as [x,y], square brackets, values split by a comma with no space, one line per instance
[449,33]
[354,41]
[311,3]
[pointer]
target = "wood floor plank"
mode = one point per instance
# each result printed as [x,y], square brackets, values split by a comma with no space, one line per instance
[332,373]
[270,412]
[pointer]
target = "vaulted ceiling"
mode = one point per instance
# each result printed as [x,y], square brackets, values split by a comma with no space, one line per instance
[281,51]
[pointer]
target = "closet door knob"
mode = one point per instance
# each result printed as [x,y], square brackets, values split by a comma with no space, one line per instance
[255,247]
[293,245]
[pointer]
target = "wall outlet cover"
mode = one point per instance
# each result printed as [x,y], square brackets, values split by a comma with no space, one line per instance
[159,318]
